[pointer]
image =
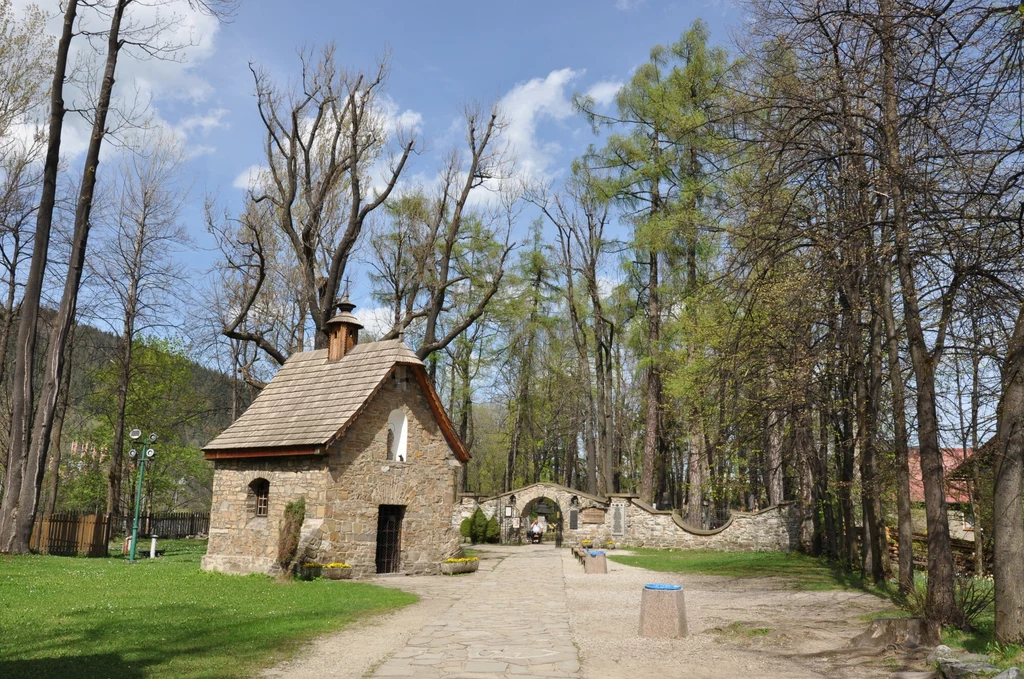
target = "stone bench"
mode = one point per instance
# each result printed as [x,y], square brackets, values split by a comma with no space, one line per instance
[663,611]
[596,563]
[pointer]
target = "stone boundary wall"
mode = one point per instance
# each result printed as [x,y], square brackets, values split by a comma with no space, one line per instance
[628,522]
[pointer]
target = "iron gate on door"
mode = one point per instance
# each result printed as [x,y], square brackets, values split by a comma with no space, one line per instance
[389,538]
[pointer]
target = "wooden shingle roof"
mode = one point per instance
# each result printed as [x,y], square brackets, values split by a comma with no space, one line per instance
[312,401]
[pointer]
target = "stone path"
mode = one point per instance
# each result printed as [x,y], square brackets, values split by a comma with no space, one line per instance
[577,626]
[503,627]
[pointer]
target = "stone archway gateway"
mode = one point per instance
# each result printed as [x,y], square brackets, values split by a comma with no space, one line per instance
[626,521]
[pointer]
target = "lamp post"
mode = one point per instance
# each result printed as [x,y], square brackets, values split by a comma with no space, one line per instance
[146,454]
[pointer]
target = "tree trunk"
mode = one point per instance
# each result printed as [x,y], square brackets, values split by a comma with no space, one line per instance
[876,553]
[845,462]
[116,469]
[776,430]
[652,386]
[900,445]
[58,434]
[697,470]
[17,510]
[939,603]
[975,482]
[803,446]
[43,423]
[1008,571]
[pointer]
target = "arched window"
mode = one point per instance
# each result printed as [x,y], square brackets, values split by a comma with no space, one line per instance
[259,497]
[397,435]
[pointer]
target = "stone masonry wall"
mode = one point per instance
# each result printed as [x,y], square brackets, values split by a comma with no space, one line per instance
[364,479]
[241,542]
[773,529]
[343,490]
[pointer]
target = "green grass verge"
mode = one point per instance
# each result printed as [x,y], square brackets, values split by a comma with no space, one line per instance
[799,570]
[982,640]
[77,617]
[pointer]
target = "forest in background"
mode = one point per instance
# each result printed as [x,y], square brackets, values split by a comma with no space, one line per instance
[779,268]
[185,403]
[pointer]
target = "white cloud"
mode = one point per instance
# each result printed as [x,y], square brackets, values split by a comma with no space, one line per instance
[250,177]
[377,320]
[603,93]
[627,5]
[408,120]
[205,123]
[188,37]
[529,103]
[197,150]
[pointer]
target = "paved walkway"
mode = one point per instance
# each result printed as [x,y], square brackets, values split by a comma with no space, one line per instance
[503,627]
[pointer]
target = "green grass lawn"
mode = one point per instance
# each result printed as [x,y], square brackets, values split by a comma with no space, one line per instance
[801,571]
[78,617]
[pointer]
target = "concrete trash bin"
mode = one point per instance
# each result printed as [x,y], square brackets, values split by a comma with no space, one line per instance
[663,611]
[596,563]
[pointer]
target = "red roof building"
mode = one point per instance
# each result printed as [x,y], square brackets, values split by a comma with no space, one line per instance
[956,489]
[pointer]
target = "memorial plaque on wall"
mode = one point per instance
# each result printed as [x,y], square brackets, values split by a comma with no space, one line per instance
[574,519]
[593,515]
[618,520]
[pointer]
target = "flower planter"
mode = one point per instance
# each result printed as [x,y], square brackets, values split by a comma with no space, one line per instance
[310,572]
[337,573]
[459,567]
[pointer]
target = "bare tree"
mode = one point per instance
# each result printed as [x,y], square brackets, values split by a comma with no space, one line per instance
[1009,495]
[456,248]
[135,269]
[308,207]
[30,430]
[581,217]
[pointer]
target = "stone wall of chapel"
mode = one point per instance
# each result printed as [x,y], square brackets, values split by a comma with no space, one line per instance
[241,542]
[425,484]
[344,489]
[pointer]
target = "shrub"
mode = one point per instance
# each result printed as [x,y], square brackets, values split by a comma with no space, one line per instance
[971,598]
[493,530]
[465,526]
[478,526]
[288,539]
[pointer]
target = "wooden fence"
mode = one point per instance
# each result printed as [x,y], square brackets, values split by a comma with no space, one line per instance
[73,533]
[175,525]
[68,534]
[168,525]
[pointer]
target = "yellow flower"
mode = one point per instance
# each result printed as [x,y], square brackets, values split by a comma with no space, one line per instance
[337,564]
[463,560]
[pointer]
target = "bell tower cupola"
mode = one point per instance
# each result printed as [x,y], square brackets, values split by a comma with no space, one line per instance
[342,331]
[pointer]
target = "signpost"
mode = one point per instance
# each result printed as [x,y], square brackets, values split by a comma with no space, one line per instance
[134,455]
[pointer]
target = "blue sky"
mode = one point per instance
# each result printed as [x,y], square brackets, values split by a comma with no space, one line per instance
[530,56]
[533,55]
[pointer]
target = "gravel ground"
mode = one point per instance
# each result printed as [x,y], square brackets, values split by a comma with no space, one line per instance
[722,614]
[739,628]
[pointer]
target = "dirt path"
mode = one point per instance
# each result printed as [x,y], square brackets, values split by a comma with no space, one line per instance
[493,624]
[755,627]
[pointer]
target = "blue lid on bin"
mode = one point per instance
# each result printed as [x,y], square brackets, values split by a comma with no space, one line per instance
[663,587]
[595,552]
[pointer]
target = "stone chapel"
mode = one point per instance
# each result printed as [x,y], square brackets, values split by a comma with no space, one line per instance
[359,432]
